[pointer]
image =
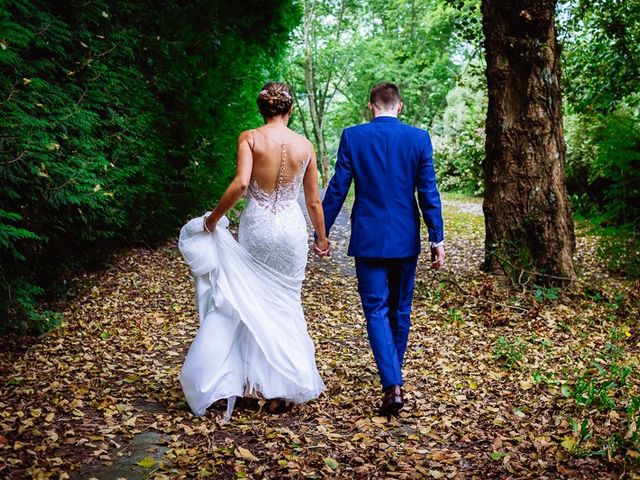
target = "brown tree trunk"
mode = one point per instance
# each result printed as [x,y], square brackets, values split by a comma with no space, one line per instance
[315,108]
[529,226]
[316,122]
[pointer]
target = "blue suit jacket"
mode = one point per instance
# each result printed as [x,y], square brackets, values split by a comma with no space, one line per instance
[388,161]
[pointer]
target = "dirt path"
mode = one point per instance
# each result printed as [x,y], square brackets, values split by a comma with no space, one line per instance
[100,398]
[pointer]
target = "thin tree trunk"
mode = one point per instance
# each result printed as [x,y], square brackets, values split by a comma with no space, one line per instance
[529,227]
[310,84]
[298,106]
[316,122]
[318,92]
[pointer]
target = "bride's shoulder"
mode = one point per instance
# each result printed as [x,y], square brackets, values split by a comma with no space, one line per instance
[301,138]
[246,136]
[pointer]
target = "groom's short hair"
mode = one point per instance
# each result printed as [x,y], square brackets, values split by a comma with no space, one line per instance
[385,94]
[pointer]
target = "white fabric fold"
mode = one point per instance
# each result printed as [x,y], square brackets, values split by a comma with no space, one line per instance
[253,336]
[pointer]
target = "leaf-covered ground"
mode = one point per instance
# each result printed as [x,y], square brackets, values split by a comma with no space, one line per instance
[502,381]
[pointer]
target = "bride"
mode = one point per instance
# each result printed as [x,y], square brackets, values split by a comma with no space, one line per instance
[253,339]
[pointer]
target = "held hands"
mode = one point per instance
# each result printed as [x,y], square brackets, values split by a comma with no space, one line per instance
[322,247]
[437,258]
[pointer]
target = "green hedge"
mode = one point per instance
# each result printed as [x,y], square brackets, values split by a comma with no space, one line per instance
[118,119]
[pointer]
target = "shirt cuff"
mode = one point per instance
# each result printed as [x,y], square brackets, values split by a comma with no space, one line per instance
[437,244]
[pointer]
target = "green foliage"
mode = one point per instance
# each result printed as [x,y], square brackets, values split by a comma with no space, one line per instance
[601,62]
[601,55]
[459,135]
[117,119]
[603,177]
[421,46]
[606,386]
[541,293]
[603,155]
[597,386]
[509,352]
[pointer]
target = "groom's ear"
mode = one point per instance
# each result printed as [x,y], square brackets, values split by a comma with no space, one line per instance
[400,107]
[371,107]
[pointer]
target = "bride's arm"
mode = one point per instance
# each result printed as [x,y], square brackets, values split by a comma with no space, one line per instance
[238,185]
[312,199]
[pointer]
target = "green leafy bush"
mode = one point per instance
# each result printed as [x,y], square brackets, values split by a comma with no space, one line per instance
[118,119]
[509,352]
[603,177]
[459,136]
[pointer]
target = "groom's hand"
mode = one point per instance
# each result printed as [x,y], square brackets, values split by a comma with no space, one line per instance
[437,257]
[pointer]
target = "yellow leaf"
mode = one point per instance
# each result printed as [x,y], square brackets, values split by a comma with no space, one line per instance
[49,417]
[569,444]
[245,454]
[147,462]
[131,421]
[473,384]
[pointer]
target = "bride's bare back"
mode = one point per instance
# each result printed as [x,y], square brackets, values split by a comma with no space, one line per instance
[272,162]
[279,157]
[272,226]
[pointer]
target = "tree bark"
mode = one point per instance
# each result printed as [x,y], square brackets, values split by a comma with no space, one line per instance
[315,110]
[529,226]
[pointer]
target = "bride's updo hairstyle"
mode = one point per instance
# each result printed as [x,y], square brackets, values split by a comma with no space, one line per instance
[274,99]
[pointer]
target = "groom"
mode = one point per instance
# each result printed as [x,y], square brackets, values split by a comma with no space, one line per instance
[388,161]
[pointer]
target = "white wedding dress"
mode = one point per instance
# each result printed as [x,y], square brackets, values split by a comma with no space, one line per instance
[253,338]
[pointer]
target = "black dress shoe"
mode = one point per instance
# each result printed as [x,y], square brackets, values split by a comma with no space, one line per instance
[278,405]
[392,401]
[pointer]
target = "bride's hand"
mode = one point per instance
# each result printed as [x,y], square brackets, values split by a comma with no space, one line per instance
[209,224]
[322,247]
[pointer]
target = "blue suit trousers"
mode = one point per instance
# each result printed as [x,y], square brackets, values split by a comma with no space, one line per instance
[386,291]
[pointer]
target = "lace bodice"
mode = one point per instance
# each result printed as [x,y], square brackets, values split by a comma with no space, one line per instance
[272,226]
[285,193]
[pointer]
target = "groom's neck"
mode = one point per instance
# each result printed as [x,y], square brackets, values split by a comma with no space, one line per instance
[386,114]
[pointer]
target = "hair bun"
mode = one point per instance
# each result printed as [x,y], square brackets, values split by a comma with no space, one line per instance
[274,99]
